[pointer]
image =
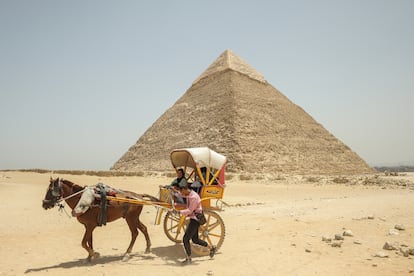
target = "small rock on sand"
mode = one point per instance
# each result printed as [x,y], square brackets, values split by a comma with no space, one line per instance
[348,233]
[381,254]
[393,232]
[390,245]
[400,227]
[326,238]
[336,244]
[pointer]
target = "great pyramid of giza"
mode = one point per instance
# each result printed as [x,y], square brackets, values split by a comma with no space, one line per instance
[233,110]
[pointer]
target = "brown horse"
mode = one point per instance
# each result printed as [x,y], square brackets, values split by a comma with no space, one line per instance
[60,189]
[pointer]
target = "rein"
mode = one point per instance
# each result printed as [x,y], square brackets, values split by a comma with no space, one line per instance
[62,206]
[72,195]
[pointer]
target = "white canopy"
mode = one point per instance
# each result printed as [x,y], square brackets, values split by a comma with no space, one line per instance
[203,157]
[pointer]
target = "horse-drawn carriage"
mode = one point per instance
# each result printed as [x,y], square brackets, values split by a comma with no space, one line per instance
[204,170]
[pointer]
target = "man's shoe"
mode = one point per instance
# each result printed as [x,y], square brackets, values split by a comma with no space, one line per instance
[213,250]
[187,261]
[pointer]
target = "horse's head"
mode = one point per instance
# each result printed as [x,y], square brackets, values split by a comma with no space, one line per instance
[53,193]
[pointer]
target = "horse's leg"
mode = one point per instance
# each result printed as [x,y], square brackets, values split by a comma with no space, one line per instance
[143,229]
[132,224]
[90,243]
[87,242]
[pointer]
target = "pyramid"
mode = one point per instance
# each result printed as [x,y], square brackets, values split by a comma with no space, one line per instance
[233,110]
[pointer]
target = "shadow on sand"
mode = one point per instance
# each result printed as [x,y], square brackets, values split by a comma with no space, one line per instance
[171,254]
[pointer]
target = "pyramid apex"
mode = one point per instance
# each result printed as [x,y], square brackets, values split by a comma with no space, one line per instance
[229,60]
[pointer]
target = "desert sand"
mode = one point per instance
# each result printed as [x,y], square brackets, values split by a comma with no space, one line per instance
[274,226]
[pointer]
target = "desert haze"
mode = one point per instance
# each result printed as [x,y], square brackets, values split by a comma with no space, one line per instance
[285,225]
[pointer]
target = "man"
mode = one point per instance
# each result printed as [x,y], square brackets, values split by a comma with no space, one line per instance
[193,207]
[180,181]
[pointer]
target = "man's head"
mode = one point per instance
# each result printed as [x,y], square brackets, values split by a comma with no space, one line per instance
[180,173]
[184,190]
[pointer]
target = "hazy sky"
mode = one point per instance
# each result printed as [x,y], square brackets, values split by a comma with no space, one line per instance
[81,81]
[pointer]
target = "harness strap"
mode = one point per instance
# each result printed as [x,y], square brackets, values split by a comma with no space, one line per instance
[103,215]
[72,195]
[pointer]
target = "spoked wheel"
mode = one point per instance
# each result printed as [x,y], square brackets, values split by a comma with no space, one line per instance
[174,227]
[212,232]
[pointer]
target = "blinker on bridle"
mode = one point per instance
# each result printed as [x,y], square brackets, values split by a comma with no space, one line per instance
[56,188]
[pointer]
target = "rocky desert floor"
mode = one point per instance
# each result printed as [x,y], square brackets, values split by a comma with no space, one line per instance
[275,225]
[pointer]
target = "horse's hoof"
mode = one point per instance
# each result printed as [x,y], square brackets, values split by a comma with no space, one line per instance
[147,251]
[126,257]
[96,255]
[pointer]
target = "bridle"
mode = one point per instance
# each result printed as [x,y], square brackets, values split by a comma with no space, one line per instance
[56,191]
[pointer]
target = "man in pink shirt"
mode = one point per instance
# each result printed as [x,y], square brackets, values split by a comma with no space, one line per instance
[193,207]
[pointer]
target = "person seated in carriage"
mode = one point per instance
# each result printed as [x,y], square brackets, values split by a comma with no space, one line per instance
[196,185]
[211,175]
[177,183]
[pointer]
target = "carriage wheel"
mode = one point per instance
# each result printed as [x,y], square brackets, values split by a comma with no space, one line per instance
[172,227]
[212,232]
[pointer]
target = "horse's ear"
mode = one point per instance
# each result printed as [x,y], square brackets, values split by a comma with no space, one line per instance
[51,179]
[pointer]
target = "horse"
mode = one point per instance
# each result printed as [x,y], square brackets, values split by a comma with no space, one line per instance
[62,189]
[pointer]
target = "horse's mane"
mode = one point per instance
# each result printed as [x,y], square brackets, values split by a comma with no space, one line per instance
[74,186]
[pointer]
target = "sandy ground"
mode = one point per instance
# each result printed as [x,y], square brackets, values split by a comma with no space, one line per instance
[273,227]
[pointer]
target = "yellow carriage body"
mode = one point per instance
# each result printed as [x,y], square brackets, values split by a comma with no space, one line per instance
[165,195]
[205,166]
